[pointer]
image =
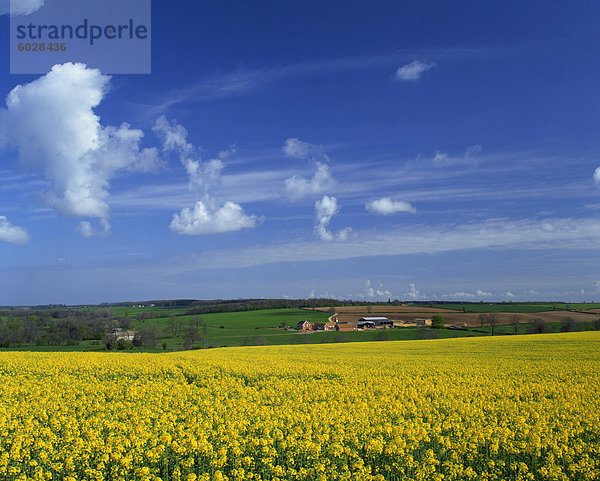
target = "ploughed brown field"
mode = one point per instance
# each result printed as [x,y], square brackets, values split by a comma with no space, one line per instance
[409,313]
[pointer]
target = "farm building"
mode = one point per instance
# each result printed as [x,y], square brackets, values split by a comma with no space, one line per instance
[365,324]
[422,322]
[330,325]
[316,326]
[374,321]
[345,326]
[120,334]
[304,326]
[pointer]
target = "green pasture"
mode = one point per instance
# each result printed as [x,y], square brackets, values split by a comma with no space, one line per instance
[244,320]
[263,327]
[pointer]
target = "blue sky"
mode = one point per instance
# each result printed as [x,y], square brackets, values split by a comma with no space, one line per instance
[358,150]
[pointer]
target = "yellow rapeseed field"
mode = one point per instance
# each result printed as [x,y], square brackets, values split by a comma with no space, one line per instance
[510,408]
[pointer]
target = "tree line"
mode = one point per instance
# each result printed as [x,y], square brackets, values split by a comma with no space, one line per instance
[57,326]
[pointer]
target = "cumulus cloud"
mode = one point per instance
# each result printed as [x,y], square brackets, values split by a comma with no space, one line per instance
[207,216]
[20,7]
[51,122]
[597,176]
[11,233]
[202,174]
[481,293]
[372,292]
[325,209]
[86,230]
[413,292]
[412,72]
[174,136]
[205,219]
[344,234]
[509,294]
[299,149]
[387,206]
[296,148]
[297,187]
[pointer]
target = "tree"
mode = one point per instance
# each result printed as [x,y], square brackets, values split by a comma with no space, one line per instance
[538,326]
[190,336]
[197,322]
[493,320]
[483,318]
[145,336]
[174,326]
[515,321]
[108,342]
[567,324]
[437,322]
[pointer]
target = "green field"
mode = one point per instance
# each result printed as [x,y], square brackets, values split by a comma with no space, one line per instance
[171,329]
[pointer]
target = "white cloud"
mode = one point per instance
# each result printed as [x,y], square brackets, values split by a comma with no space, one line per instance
[299,149]
[296,148]
[52,124]
[481,293]
[206,219]
[20,7]
[325,209]
[440,157]
[597,176]
[372,292]
[473,150]
[509,294]
[202,174]
[297,187]
[174,136]
[412,72]
[345,234]
[597,285]
[413,292]
[86,230]
[11,233]
[459,296]
[207,216]
[387,206]
[409,240]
